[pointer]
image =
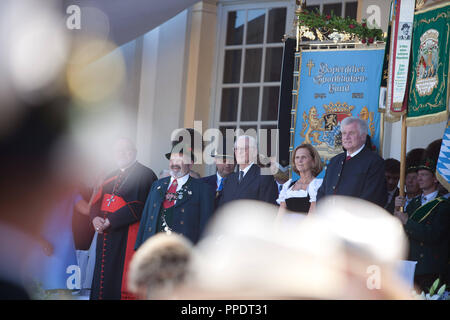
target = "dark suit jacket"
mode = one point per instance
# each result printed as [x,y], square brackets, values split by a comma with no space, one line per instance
[190,215]
[429,240]
[254,186]
[362,177]
[11,291]
[212,182]
[391,205]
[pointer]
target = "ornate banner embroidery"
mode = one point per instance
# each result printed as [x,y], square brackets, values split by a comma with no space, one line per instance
[428,91]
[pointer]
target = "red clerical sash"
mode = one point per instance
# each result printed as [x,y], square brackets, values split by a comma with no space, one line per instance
[112,202]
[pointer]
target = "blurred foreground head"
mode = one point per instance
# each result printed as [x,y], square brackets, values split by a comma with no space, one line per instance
[34,113]
[347,250]
[160,266]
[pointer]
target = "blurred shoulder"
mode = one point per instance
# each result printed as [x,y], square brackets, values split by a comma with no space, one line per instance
[144,169]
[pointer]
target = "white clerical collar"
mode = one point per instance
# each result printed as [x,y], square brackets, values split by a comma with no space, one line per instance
[132,164]
[180,181]
[429,197]
[246,169]
[356,152]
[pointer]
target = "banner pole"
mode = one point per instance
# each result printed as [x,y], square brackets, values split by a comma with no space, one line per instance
[381,133]
[403,159]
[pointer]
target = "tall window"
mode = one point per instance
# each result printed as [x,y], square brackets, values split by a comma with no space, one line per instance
[343,8]
[249,66]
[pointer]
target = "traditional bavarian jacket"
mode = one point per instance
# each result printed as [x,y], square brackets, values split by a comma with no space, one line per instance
[188,216]
[428,230]
[361,177]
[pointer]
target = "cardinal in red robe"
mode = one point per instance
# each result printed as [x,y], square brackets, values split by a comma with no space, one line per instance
[115,213]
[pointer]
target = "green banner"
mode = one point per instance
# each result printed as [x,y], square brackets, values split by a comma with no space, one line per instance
[428,93]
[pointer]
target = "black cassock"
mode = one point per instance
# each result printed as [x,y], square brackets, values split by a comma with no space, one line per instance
[121,200]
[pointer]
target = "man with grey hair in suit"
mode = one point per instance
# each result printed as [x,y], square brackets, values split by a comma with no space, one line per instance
[358,171]
[248,182]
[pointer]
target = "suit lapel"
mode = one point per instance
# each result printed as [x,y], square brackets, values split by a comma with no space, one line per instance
[248,178]
[161,190]
[232,184]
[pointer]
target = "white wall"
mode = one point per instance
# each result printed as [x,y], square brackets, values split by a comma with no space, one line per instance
[160,75]
[417,137]
[162,89]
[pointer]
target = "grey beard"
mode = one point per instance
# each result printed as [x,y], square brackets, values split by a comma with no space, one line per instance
[178,174]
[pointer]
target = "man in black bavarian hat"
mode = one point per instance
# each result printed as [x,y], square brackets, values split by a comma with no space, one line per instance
[178,203]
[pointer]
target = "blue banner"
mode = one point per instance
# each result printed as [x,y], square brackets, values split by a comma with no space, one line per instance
[335,84]
[443,164]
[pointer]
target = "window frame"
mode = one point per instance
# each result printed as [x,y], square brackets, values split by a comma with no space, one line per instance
[322,2]
[216,97]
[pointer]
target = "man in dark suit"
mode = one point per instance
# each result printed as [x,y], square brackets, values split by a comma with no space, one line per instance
[357,172]
[392,174]
[249,182]
[225,165]
[178,203]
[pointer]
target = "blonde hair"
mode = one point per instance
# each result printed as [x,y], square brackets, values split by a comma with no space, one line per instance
[160,265]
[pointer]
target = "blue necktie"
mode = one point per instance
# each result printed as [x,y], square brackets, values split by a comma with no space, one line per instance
[241,176]
[220,185]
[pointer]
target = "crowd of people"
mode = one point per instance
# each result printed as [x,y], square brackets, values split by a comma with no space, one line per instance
[132,233]
[312,230]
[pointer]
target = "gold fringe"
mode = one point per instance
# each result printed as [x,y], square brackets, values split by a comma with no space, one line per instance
[437,5]
[443,181]
[427,119]
[389,117]
[398,105]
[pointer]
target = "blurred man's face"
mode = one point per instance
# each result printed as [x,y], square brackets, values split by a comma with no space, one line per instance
[245,154]
[223,168]
[124,153]
[391,180]
[426,179]
[412,183]
[179,165]
[352,139]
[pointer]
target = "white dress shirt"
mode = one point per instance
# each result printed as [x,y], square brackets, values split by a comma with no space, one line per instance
[356,152]
[246,169]
[429,197]
[181,181]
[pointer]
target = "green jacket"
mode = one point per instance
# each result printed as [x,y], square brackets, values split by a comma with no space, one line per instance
[428,230]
